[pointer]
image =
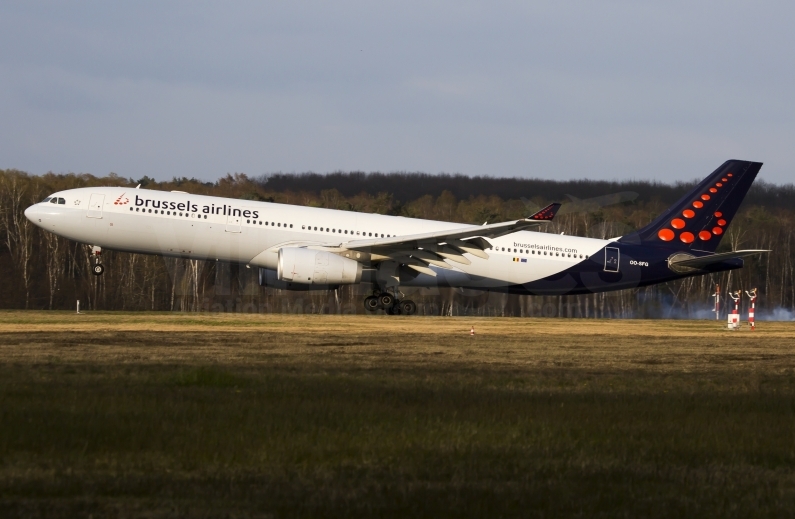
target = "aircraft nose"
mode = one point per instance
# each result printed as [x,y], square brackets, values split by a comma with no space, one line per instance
[33,214]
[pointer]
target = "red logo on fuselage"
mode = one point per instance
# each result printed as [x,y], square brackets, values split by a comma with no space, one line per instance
[122,200]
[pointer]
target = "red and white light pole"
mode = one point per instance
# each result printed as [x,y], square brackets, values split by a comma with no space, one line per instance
[752,296]
[734,317]
[716,295]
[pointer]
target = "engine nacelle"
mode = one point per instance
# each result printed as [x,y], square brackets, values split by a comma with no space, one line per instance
[268,279]
[315,267]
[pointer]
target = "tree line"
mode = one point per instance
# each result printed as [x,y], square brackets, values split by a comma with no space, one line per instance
[43,271]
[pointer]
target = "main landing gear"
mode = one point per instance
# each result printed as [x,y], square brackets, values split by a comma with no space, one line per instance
[98,269]
[390,304]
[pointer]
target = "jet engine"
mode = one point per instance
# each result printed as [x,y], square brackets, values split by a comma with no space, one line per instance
[314,267]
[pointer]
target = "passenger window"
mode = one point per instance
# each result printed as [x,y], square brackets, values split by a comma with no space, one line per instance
[136,209]
[150,210]
[291,226]
[503,249]
[131,209]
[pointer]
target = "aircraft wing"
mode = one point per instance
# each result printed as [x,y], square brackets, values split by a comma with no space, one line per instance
[704,261]
[417,251]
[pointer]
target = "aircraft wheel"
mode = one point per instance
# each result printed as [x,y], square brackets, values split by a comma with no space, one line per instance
[408,307]
[371,304]
[386,300]
[98,269]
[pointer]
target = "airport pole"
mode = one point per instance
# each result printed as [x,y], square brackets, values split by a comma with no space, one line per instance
[734,317]
[752,295]
[716,295]
[78,306]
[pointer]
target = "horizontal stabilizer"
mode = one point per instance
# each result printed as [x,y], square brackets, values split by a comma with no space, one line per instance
[705,261]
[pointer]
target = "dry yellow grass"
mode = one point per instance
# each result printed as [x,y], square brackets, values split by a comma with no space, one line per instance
[132,414]
[242,338]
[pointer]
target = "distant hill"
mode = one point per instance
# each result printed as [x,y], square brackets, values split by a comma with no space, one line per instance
[404,187]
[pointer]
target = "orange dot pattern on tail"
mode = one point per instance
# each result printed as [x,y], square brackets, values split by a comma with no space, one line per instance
[666,234]
[703,235]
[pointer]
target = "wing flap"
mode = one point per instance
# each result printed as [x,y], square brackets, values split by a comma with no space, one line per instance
[471,231]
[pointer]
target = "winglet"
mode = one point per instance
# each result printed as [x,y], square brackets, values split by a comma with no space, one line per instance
[546,214]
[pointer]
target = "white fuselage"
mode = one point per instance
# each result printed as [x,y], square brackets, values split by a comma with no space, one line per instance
[251,233]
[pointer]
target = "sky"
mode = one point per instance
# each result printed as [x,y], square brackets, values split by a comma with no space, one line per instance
[661,91]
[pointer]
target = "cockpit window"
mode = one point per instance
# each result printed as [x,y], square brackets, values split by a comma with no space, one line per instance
[53,200]
[46,200]
[61,200]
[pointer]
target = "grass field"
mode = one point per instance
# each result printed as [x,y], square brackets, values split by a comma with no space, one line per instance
[217,415]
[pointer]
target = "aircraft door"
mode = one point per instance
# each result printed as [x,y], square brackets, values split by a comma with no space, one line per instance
[611,259]
[95,205]
[233,223]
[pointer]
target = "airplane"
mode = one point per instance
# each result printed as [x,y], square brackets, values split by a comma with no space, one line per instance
[308,248]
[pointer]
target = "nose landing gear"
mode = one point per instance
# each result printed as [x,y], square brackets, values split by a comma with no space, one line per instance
[390,304]
[98,269]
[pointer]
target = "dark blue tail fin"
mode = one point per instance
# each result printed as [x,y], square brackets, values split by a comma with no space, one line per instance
[700,218]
